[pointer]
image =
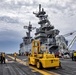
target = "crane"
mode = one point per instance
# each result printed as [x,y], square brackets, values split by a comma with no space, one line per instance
[74,39]
[68,34]
[72,42]
[63,43]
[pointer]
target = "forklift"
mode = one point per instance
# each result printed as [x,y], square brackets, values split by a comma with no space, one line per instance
[41,58]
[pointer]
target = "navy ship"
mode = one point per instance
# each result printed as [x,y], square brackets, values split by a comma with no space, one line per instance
[46,34]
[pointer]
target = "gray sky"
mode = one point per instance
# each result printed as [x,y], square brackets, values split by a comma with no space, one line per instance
[14,14]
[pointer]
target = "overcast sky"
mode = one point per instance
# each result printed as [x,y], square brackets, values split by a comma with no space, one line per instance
[14,14]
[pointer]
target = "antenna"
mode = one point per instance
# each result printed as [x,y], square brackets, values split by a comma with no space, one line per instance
[30,28]
[39,7]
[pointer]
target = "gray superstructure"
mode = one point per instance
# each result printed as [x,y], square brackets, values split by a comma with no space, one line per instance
[46,33]
[26,45]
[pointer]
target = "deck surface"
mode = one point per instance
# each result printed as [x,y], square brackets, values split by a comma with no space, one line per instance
[16,68]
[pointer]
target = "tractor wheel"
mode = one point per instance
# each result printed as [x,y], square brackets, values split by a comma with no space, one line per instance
[60,65]
[38,65]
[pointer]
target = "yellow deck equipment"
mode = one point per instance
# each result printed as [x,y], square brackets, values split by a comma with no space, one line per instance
[41,58]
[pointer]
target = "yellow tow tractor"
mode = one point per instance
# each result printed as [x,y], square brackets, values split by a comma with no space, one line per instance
[41,58]
[74,56]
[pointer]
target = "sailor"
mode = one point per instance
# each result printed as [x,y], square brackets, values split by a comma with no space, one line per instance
[15,55]
[3,58]
[72,56]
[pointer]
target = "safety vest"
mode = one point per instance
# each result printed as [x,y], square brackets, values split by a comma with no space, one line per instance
[3,55]
[74,53]
[15,55]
